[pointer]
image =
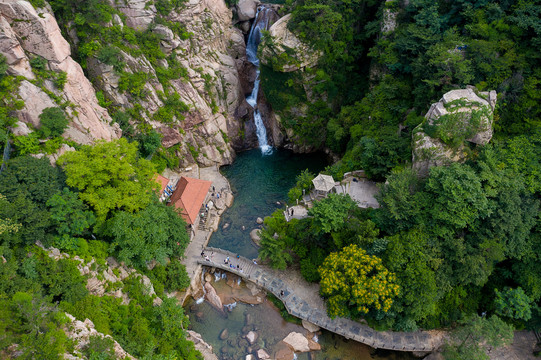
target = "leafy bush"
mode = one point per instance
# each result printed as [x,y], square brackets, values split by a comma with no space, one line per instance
[111,55]
[53,122]
[177,277]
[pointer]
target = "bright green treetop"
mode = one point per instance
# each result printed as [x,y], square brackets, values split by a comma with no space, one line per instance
[110,176]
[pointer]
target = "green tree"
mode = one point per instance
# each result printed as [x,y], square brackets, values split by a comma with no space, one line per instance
[7,225]
[355,283]
[408,256]
[53,122]
[69,214]
[35,177]
[176,276]
[456,199]
[3,66]
[156,232]
[34,220]
[466,339]
[332,213]
[110,176]
[36,326]
[304,182]
[99,348]
[400,201]
[513,303]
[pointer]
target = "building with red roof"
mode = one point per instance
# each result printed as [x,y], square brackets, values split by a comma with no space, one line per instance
[189,196]
[162,181]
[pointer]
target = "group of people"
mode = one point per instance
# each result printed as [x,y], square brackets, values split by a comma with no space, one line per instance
[226,260]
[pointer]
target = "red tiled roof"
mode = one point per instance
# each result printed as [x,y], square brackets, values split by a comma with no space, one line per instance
[189,196]
[162,181]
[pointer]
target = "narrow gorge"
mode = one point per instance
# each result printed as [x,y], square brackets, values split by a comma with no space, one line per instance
[247,179]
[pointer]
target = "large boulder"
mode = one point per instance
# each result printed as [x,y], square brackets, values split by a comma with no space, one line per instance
[246,9]
[300,343]
[461,115]
[212,297]
[255,236]
[251,337]
[287,52]
[309,326]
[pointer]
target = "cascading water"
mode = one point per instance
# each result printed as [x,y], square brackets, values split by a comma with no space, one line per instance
[261,22]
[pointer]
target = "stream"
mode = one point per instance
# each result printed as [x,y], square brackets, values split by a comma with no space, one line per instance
[259,182]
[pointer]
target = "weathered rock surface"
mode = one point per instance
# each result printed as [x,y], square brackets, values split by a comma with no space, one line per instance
[81,331]
[19,65]
[23,29]
[139,13]
[283,39]
[211,88]
[212,297]
[246,9]
[262,355]
[299,343]
[309,326]
[21,129]
[254,235]
[38,33]
[470,114]
[201,345]
[35,100]
[251,337]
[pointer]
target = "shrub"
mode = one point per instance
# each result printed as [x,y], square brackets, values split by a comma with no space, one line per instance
[53,122]
[177,277]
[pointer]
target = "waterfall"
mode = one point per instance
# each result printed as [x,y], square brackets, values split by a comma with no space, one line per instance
[261,22]
[202,298]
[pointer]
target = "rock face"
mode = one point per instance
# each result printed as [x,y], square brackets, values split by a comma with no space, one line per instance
[13,51]
[201,345]
[24,31]
[211,87]
[35,100]
[139,13]
[461,115]
[299,54]
[81,331]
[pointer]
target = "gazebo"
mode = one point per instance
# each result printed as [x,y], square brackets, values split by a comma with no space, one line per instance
[323,185]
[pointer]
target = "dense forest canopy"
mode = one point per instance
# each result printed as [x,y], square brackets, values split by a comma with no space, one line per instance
[464,240]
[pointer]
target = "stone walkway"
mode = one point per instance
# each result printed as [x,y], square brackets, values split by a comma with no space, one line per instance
[362,191]
[302,300]
[201,237]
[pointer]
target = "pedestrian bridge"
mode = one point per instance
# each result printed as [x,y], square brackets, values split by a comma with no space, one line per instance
[299,300]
